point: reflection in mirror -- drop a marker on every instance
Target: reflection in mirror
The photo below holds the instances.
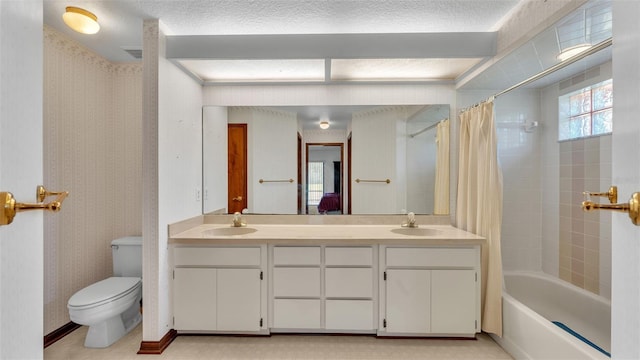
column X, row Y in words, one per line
column 324, row 178
column 395, row 142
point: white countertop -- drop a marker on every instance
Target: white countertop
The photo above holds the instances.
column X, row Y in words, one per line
column 323, row 234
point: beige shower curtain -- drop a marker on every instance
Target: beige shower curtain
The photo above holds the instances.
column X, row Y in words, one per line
column 441, row 201
column 479, row 203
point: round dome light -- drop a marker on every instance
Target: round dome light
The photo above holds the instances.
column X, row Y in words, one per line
column 81, row 20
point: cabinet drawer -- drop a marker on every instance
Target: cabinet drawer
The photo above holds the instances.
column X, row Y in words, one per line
column 296, row 255
column 350, row 256
column 296, row 282
column 432, row 257
column 296, row 313
column 349, row 315
column 349, row 282
column 203, row 256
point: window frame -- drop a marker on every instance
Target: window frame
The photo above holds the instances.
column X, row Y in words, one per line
column 566, row 117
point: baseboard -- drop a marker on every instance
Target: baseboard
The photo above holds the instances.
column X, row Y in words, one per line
column 157, row 347
column 59, row 333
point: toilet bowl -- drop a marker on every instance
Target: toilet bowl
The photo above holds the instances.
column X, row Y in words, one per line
column 111, row 308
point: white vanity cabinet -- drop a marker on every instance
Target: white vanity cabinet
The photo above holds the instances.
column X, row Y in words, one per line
column 295, row 287
column 430, row 291
column 219, row 289
column 324, row 288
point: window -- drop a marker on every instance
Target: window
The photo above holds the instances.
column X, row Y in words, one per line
column 586, row 112
column 315, row 186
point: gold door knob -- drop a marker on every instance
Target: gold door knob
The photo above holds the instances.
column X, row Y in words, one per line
column 237, row 198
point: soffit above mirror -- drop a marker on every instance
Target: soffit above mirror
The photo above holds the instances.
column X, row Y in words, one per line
column 330, row 58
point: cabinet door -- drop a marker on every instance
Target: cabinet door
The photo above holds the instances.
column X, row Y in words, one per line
column 194, row 299
column 453, row 301
column 238, row 300
column 408, row 301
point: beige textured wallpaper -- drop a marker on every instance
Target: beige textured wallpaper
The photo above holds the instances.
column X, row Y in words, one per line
column 93, row 149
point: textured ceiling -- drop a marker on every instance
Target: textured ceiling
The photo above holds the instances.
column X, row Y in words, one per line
column 121, row 20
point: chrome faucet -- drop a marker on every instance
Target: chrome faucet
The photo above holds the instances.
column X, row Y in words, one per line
column 237, row 220
column 411, row 221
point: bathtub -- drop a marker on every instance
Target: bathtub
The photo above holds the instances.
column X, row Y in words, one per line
column 533, row 300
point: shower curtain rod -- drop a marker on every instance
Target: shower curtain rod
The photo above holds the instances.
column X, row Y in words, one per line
column 426, row 129
column 592, row 50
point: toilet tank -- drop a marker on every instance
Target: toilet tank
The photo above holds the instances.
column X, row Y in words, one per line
column 127, row 256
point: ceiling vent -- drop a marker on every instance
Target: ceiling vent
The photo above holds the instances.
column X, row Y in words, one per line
column 136, row 52
column 581, row 77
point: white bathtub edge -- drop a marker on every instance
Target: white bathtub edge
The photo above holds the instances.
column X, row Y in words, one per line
column 528, row 335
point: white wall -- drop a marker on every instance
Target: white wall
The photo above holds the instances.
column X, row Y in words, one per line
column 625, row 296
column 172, row 170
column 21, row 243
column 215, row 159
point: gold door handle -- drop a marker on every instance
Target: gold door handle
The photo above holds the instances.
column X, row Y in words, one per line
column 237, row 198
column 11, row 207
column 632, row 207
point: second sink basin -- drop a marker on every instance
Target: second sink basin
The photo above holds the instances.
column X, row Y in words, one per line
column 227, row 231
column 416, row 231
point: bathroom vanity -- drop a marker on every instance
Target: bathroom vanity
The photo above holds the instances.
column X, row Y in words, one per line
column 304, row 278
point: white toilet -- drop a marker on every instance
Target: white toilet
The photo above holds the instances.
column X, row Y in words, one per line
column 111, row 307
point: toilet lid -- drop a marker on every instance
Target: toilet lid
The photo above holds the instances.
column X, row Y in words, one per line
column 104, row 291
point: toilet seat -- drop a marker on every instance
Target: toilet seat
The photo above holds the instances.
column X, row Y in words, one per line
column 103, row 292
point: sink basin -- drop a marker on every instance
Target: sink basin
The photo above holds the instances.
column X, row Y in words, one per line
column 416, row 231
column 227, row 231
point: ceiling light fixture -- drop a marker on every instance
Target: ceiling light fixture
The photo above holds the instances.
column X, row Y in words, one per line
column 572, row 51
column 574, row 36
column 324, row 125
column 81, row 20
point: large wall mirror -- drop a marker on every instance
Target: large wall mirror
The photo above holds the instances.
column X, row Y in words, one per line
column 382, row 159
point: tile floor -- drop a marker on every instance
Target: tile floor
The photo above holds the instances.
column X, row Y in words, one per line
column 282, row 347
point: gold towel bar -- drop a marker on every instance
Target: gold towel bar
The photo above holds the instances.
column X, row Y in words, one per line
column 266, row 181
column 374, row 181
column 632, row 207
column 612, row 194
column 11, row 207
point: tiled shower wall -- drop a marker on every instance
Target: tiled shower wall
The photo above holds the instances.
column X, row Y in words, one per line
column 585, row 165
column 576, row 246
column 92, row 148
